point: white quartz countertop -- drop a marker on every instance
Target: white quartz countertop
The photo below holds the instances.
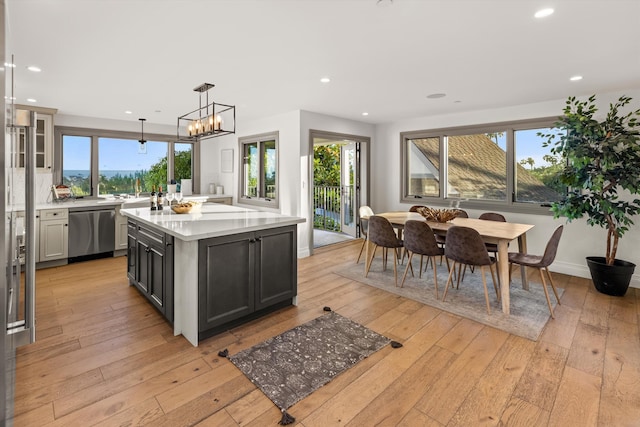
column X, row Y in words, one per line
column 111, row 202
column 213, row 220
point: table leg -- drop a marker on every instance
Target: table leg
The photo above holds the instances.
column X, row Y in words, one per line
column 522, row 246
column 503, row 272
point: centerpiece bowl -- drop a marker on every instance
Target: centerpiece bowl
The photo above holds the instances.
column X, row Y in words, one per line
column 186, row 207
column 438, row 215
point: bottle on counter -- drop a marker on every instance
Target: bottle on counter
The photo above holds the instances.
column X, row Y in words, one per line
column 154, row 199
column 137, row 189
column 160, row 202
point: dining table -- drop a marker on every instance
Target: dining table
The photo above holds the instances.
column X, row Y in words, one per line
column 499, row 233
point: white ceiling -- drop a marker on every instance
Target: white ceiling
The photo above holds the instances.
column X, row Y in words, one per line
column 102, row 57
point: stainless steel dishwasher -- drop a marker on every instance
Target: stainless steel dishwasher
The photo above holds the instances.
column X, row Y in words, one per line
column 92, row 231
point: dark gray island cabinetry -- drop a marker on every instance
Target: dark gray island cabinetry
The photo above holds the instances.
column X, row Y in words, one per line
column 215, row 268
column 245, row 274
column 150, row 265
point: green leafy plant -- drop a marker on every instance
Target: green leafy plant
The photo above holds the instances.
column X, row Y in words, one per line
column 600, row 158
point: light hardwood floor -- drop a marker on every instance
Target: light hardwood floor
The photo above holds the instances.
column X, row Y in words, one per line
column 105, row 357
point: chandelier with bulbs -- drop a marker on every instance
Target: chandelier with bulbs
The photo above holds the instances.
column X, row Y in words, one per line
column 209, row 120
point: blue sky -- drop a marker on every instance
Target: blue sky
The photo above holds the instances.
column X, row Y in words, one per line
column 125, row 156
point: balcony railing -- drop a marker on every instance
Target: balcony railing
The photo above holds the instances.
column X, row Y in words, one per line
column 328, row 207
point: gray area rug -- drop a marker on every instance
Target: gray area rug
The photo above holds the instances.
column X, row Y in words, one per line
column 529, row 311
column 292, row 365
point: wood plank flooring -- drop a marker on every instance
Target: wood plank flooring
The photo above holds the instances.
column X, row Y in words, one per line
column 105, row 357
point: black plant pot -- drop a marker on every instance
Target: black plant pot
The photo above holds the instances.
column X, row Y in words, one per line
column 610, row 279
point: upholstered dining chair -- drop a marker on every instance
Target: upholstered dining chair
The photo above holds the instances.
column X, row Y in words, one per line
column 492, row 216
column 415, row 208
column 419, row 239
column 465, row 246
column 440, row 237
column 381, row 233
column 541, row 262
column 364, row 211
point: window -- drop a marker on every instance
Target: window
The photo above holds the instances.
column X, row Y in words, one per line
column 423, row 161
column 536, row 169
column 259, row 177
column 76, row 172
column 94, row 162
column 500, row 166
column 477, row 166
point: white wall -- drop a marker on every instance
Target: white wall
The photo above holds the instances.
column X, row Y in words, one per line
column 578, row 241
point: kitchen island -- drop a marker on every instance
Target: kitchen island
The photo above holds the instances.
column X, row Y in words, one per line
column 213, row 268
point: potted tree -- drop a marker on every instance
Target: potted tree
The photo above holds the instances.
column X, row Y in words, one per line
column 601, row 158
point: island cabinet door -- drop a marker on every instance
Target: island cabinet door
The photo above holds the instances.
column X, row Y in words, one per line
column 143, row 249
column 277, row 266
column 225, row 279
column 131, row 252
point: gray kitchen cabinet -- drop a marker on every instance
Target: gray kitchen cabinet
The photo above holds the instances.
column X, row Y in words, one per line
column 150, row 266
column 54, row 234
column 244, row 274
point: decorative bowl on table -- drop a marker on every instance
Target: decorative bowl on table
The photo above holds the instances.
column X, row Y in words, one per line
column 438, row 215
column 186, row 207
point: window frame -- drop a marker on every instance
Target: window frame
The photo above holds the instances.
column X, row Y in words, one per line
column 509, row 205
column 258, row 139
column 96, row 134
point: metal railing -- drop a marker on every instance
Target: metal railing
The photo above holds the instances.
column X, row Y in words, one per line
column 328, row 207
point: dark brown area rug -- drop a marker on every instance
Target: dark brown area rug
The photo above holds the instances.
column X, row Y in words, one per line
column 292, row 365
column 529, row 311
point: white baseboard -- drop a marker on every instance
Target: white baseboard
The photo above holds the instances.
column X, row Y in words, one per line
column 581, row 270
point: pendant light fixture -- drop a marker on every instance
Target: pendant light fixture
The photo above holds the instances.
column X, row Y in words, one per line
column 142, row 146
column 208, row 121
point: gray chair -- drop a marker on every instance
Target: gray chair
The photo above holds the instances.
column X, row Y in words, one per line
column 364, row 211
column 492, row 216
column 381, row 233
column 541, row 262
column 419, row 239
column 415, row 208
column 465, row 246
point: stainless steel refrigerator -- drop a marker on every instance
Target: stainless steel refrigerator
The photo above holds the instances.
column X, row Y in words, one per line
column 17, row 285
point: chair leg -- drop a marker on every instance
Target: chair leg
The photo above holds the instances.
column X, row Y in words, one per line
column 385, row 256
column 486, row 293
column 546, row 293
column 553, row 285
column 459, row 275
column 446, row 287
column 406, row 269
column 435, row 274
column 421, row 258
column 493, row 277
column 368, row 263
column 364, row 242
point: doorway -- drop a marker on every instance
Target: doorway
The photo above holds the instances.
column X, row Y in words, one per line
column 337, row 187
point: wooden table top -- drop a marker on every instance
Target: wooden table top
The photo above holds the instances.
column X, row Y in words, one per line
column 491, row 229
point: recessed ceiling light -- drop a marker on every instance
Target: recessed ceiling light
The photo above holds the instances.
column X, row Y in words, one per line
column 34, row 68
column 128, row 112
column 436, row 95
column 31, row 100
column 325, row 80
column 575, row 78
column 542, row 13
column 384, row 3
column 457, row 102
column 365, row 114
